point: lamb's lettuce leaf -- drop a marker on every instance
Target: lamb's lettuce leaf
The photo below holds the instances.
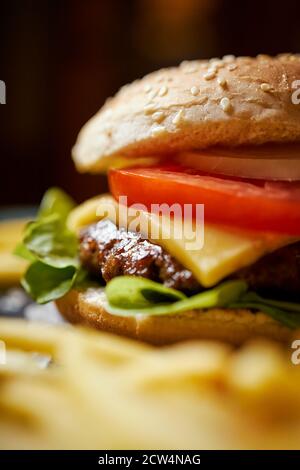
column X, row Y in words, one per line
column 129, row 295
column 56, row 201
column 287, row 313
column 45, row 283
column 52, row 250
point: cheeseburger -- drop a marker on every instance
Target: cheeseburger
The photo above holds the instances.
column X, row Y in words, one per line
column 220, row 135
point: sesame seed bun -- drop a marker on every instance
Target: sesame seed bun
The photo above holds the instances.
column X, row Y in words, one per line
column 88, row 308
column 230, row 101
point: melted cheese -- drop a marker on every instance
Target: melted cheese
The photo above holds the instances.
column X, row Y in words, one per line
column 224, row 251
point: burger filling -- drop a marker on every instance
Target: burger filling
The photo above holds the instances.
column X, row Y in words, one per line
column 70, row 247
column 107, row 252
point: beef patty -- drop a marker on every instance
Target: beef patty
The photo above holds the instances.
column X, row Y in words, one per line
column 107, row 252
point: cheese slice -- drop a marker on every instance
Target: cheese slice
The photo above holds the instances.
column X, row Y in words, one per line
column 221, row 252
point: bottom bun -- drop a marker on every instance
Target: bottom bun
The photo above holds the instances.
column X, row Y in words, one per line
column 87, row 307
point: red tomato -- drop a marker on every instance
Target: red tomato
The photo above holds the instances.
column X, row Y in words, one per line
column 249, row 204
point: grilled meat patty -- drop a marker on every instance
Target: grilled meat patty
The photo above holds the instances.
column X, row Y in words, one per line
column 276, row 274
column 107, row 252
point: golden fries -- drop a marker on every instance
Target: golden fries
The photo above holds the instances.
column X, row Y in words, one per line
column 101, row 391
column 11, row 267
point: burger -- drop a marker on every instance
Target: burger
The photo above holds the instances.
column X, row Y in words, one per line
column 221, row 136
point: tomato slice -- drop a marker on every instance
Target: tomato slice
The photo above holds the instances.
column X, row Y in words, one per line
column 250, row 204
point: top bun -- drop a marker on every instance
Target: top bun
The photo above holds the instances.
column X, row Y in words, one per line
column 230, row 101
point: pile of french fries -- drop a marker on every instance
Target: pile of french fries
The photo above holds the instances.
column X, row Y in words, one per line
column 100, row 391
column 11, row 266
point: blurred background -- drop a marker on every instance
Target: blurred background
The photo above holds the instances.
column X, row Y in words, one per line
column 60, row 60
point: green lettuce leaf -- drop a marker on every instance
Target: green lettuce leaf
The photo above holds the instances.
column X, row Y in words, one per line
column 287, row 313
column 51, row 241
column 129, row 295
column 56, row 201
column 283, row 305
column 52, row 250
column 45, row 283
column 131, row 292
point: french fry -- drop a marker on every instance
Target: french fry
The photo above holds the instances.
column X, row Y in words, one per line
column 102, row 391
column 11, row 267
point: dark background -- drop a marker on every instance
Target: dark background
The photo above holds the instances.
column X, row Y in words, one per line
column 61, row 60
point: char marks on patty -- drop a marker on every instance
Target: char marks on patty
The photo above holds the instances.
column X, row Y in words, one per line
column 108, row 251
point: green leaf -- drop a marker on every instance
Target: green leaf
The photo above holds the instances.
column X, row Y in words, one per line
column 283, row 305
column 51, row 241
column 136, row 292
column 56, row 201
column 23, row 252
column 52, row 250
column 129, row 295
column 289, row 319
column 45, row 283
column 287, row 313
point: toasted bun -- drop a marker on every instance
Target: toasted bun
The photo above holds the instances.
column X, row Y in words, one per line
column 229, row 102
column 233, row 326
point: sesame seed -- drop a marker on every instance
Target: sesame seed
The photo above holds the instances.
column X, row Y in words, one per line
column 163, row 91
column 188, row 67
column 222, row 82
column 184, row 63
column 217, row 63
column 229, row 58
column 210, row 74
column 195, row 90
column 266, row 87
column 147, row 88
column 178, row 118
column 158, row 130
column 152, row 94
column 226, row 104
column 213, row 69
column 190, row 70
column 232, row 67
column 149, row 109
column 158, row 116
